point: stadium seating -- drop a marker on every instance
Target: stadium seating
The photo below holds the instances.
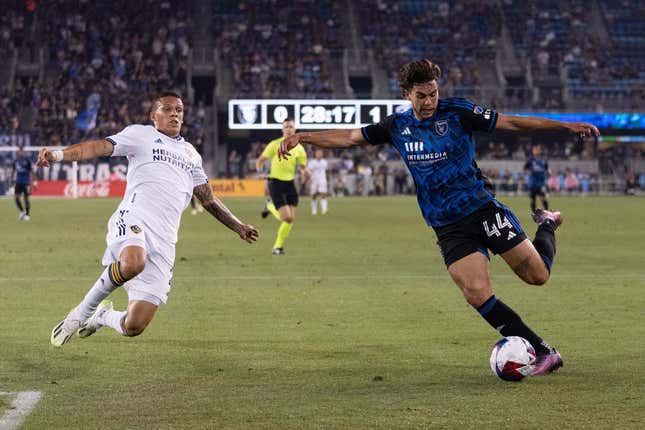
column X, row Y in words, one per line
column 457, row 36
column 278, row 52
column 102, row 61
column 113, row 63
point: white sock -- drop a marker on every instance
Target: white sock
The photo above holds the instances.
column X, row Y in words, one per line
column 112, row 319
column 323, row 205
column 99, row 291
column 314, row 207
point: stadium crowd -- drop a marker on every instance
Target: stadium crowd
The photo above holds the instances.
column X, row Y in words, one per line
column 460, row 37
column 278, row 51
column 98, row 70
column 104, row 60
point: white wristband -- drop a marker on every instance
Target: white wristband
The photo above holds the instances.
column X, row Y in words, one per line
column 58, row 155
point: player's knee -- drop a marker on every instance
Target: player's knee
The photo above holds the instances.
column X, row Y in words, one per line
column 288, row 218
column 538, row 277
column 131, row 267
column 476, row 292
column 132, row 328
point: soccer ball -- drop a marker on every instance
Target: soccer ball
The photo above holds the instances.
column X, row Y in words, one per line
column 512, row 358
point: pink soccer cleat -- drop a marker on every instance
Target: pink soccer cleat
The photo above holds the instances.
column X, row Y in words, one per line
column 547, row 363
column 541, row 216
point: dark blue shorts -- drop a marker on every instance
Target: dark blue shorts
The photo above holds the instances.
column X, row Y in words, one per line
column 22, row 189
column 537, row 191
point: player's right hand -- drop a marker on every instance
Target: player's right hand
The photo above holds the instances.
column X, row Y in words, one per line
column 286, row 145
column 248, row 233
column 45, row 157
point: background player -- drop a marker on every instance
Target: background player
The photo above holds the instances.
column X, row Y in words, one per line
column 164, row 171
column 318, row 182
column 23, row 172
column 537, row 168
column 282, row 188
column 434, row 138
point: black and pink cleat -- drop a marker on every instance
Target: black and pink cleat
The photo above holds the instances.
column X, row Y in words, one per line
column 547, row 363
column 542, row 216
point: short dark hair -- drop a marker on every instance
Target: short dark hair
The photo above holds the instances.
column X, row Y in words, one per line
column 163, row 94
column 417, row 72
column 287, row 119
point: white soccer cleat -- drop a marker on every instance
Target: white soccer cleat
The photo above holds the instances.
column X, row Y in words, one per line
column 89, row 327
column 64, row 330
column 26, row 218
column 21, row 216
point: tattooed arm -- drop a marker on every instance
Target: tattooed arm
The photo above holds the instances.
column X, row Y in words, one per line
column 215, row 207
column 81, row 151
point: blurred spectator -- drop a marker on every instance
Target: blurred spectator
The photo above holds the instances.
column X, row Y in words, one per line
column 234, row 164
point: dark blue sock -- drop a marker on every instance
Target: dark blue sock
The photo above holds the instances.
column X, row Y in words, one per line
column 508, row 323
column 544, row 243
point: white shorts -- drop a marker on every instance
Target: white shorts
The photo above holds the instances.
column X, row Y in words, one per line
column 153, row 284
column 318, row 186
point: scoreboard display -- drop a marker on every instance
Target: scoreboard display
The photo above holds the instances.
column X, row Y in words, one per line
column 247, row 114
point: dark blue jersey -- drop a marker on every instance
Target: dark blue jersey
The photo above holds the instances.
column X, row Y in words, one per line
column 22, row 167
column 440, row 154
column 538, row 169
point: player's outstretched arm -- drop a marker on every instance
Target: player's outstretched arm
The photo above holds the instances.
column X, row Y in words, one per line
column 215, row 207
column 528, row 123
column 324, row 139
column 86, row 150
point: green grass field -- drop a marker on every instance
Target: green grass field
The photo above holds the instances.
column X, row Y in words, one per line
column 357, row 327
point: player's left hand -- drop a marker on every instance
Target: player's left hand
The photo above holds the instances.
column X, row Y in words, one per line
column 34, row 185
column 248, row 233
column 583, row 129
column 286, row 145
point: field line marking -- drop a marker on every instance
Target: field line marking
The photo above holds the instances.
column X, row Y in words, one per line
column 24, row 403
column 336, row 277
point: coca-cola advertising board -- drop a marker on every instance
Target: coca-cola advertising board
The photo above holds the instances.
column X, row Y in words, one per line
column 83, row 189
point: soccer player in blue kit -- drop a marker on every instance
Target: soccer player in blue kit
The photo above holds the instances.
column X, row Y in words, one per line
column 435, row 139
column 538, row 170
column 23, row 171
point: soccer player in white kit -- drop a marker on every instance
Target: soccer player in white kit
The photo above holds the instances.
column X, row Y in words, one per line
column 164, row 171
column 318, row 187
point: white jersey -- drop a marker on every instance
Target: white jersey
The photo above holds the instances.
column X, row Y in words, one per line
column 162, row 172
column 318, row 169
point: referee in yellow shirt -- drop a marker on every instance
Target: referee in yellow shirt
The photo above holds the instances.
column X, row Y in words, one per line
column 282, row 188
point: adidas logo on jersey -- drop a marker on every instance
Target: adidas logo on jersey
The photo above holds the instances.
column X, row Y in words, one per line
column 406, row 131
column 159, row 141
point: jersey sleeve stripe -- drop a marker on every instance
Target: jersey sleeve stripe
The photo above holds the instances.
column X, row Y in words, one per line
column 364, row 133
column 111, row 141
column 493, row 123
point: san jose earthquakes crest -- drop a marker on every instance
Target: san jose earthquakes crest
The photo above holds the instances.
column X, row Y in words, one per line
column 441, row 127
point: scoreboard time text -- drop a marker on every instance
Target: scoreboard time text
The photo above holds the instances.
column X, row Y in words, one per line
column 322, row 114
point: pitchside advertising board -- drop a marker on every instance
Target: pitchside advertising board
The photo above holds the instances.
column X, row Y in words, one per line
column 268, row 114
column 104, row 179
column 116, row 188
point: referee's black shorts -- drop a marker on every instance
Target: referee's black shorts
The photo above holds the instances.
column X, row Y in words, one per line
column 493, row 226
column 283, row 193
